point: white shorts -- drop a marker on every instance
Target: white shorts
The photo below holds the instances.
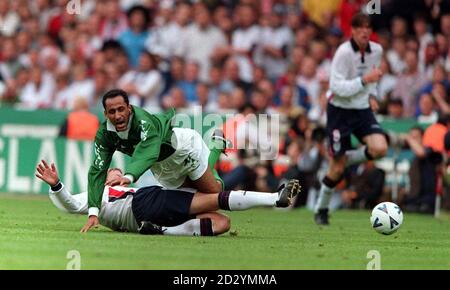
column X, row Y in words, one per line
column 190, row 159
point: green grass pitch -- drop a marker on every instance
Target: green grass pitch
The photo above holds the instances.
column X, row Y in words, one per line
column 35, row 235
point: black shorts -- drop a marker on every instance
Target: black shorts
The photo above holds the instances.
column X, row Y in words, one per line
column 342, row 123
column 162, row 207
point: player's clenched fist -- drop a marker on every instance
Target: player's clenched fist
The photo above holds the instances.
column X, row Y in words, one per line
column 373, row 76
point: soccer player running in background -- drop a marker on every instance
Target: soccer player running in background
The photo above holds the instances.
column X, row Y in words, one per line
column 154, row 210
column 352, row 100
column 178, row 157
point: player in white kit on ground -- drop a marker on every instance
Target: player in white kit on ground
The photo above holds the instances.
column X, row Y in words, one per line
column 154, row 210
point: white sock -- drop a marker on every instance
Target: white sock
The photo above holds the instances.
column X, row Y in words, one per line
column 324, row 198
column 189, row 228
column 357, row 156
column 242, row 200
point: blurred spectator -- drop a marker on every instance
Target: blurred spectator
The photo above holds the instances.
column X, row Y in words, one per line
column 177, row 100
column 423, row 174
column 52, row 60
column 268, row 89
column 10, row 63
column 100, row 88
column 423, row 36
column 245, row 40
column 190, row 81
column 232, row 77
column 274, row 44
column 203, row 98
column 259, row 74
column 438, row 76
column 134, row 38
column 144, row 84
column 318, row 50
column 80, row 124
column 441, row 97
column 238, row 98
column 387, row 82
column 445, row 24
column 396, row 55
column 81, row 86
column 223, row 19
column 62, row 93
column 433, row 137
column 308, row 79
column 214, row 83
column 114, row 20
column 399, row 27
column 203, row 32
column 301, row 97
column 9, row 20
column 259, row 100
column 428, row 114
column 165, row 40
column 409, row 84
column 38, row 92
column 224, row 105
column 395, row 108
column 287, row 106
column 175, row 74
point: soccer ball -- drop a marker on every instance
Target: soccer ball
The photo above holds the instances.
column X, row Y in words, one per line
column 387, row 217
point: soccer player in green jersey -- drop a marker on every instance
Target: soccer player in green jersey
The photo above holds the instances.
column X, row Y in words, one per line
column 178, row 157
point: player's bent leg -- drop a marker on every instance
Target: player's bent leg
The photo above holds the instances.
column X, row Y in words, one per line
column 204, row 202
column 220, row 222
column 331, row 180
column 377, row 146
column 208, row 224
column 207, row 183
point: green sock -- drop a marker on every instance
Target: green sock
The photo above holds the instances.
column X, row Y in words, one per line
column 214, row 156
column 216, row 175
column 216, row 148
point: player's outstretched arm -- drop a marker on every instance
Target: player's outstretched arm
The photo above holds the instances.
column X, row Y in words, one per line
column 59, row 195
column 96, row 179
column 47, row 173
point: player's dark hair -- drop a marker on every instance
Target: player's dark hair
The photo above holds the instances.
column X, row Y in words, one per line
column 361, row 20
column 115, row 93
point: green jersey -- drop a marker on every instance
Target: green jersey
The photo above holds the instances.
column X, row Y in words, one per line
column 147, row 140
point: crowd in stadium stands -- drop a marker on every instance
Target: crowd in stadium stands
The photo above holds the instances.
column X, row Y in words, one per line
column 246, row 56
